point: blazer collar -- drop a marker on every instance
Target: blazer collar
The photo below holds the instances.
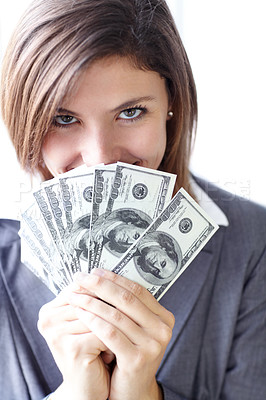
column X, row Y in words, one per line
column 208, row 204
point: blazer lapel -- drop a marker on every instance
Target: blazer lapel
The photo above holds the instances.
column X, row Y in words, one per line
column 183, row 294
column 28, row 294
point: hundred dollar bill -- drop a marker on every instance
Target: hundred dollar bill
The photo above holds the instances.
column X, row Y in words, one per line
column 52, row 191
column 103, row 180
column 47, row 214
column 31, row 219
column 146, row 189
column 61, row 206
column 168, row 246
column 76, row 194
column 34, row 257
column 138, row 195
column 59, row 195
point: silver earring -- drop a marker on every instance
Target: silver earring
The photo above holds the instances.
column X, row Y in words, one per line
column 170, row 114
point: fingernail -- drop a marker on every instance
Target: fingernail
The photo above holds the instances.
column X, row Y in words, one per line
column 98, row 271
column 79, row 277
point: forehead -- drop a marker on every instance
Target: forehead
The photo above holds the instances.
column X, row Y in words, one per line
column 115, row 76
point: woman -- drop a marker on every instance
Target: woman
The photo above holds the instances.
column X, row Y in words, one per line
column 94, row 81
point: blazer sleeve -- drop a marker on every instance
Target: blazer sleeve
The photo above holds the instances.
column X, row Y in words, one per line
column 245, row 377
column 245, row 373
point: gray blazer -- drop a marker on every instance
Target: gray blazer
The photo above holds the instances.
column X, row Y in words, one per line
column 218, row 347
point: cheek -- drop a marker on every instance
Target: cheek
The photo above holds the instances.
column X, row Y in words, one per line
column 55, row 151
column 150, row 144
column 162, row 140
column 48, row 147
column 156, row 146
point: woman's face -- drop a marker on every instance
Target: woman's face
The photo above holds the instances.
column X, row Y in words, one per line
column 115, row 113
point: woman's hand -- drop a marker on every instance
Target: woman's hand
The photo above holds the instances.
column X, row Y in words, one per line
column 80, row 355
column 132, row 325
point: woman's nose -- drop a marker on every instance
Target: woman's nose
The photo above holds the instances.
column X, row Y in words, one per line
column 99, row 148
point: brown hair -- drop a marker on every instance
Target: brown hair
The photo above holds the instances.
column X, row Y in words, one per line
column 56, row 40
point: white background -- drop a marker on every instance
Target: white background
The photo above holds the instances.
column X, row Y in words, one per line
column 225, row 41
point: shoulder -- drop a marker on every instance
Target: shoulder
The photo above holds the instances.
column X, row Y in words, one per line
column 8, row 232
column 239, row 210
column 242, row 253
column 245, row 235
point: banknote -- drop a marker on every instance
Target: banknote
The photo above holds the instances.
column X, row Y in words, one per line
column 137, row 196
column 168, row 246
column 52, row 221
column 52, row 191
column 103, row 181
column 76, row 195
column 61, row 193
column 34, row 257
column 143, row 188
column 56, row 234
column 119, row 217
column 32, row 220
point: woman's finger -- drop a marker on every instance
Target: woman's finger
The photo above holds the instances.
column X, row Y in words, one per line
column 125, row 295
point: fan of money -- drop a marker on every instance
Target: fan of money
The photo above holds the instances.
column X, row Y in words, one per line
column 119, row 217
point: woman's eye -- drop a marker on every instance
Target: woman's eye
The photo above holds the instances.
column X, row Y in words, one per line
column 136, row 236
column 131, row 113
column 64, row 120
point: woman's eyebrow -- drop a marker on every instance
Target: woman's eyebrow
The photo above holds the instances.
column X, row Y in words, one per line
column 67, row 112
column 133, row 102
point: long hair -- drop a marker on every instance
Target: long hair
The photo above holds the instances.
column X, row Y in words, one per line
column 56, row 40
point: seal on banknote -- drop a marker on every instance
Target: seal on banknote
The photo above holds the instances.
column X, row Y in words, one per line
column 87, row 194
column 185, row 225
column 140, row 191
